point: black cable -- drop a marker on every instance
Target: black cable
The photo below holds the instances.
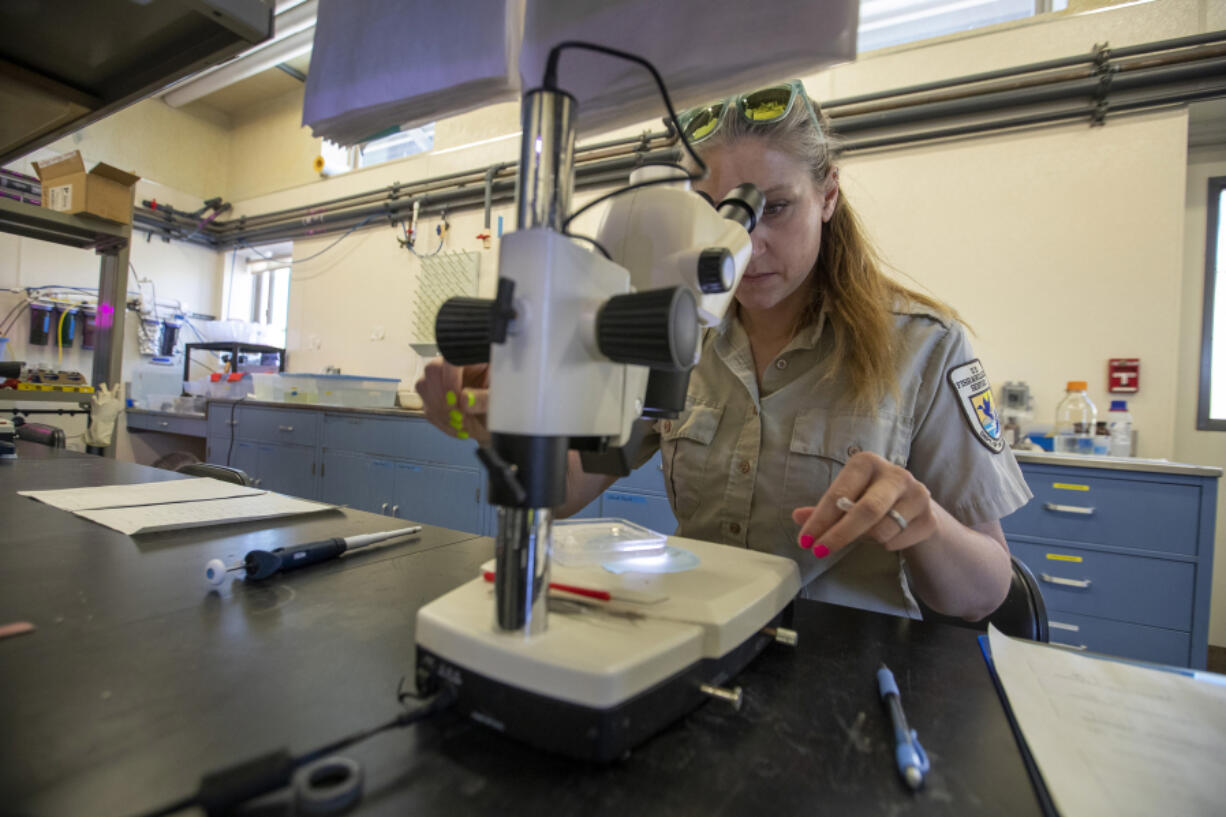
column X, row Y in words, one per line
column 220, row 792
column 591, row 241
column 233, row 406
column 550, row 82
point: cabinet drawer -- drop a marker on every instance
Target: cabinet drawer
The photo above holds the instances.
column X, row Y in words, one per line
column 1139, row 589
column 262, row 424
column 1106, row 511
column 1119, row 638
column 167, row 424
column 408, row 438
column 277, row 426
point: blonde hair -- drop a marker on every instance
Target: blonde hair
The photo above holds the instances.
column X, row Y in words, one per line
column 847, row 279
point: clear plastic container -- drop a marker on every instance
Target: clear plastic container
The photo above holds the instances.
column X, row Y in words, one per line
column 1119, row 428
column 1075, row 421
column 349, row 390
column 230, row 386
column 266, row 386
column 607, row 539
column 156, row 384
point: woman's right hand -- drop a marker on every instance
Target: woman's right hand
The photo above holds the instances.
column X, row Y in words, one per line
column 456, row 398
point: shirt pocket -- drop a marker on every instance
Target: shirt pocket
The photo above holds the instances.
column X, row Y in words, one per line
column 685, row 445
column 821, row 445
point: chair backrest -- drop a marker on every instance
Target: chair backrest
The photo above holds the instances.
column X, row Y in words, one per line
column 222, row 472
column 1023, row 613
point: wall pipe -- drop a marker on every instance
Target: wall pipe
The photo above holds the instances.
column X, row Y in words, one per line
column 1108, row 81
column 1046, row 65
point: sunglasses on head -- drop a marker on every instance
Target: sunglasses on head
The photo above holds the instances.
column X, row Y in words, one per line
column 758, row 107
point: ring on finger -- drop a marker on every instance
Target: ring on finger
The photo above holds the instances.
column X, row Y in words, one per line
column 898, row 518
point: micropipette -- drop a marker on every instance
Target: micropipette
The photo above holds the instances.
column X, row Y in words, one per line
column 261, row 564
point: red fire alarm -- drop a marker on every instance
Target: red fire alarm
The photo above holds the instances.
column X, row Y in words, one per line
column 1123, row 375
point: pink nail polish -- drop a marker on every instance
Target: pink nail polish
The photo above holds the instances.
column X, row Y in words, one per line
column 821, row 551
column 806, row 541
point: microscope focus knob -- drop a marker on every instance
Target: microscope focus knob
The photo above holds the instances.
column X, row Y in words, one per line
column 462, row 330
column 716, row 270
column 656, row 328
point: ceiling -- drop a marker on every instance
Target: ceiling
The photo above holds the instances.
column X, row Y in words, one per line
column 234, row 99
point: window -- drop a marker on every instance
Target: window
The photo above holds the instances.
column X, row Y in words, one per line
column 397, row 145
column 1211, row 407
column 389, row 146
column 259, row 295
column 893, row 22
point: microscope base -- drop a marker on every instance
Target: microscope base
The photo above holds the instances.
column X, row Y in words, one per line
column 595, row 683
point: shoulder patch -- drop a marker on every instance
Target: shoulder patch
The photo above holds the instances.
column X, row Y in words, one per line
column 970, row 382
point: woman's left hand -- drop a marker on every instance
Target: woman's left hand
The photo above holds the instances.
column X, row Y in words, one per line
column 870, row 497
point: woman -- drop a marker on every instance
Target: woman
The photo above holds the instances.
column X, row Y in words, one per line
column 835, row 417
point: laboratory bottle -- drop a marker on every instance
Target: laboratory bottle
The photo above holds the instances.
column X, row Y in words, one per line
column 1119, row 427
column 1075, row 421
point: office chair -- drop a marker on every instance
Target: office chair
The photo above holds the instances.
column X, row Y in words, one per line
column 222, row 472
column 1022, row 614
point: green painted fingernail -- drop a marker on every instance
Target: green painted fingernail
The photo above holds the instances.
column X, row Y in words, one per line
column 472, row 399
column 451, row 398
column 463, row 435
column 456, row 416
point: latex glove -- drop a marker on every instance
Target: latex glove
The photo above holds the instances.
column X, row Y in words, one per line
column 104, row 408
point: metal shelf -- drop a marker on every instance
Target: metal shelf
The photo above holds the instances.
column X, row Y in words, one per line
column 83, row 231
column 15, row 396
column 62, row 68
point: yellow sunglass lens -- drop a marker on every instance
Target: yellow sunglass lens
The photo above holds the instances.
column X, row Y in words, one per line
column 766, row 110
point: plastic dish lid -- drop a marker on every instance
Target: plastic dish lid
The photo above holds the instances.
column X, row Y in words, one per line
column 594, row 541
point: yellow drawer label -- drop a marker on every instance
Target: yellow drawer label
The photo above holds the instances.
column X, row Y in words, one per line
column 1068, row 486
column 1060, row 557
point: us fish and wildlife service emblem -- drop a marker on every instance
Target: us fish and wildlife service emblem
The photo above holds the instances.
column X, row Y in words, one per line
column 970, row 381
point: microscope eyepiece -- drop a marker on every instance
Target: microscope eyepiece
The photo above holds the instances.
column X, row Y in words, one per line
column 743, row 204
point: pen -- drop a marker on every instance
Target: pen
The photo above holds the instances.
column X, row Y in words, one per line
column 908, row 754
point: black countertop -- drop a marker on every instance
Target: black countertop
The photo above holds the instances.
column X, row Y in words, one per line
column 139, row 679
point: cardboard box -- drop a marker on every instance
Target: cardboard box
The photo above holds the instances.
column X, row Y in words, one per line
column 105, row 191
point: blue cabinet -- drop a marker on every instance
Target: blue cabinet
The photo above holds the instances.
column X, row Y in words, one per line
column 396, row 465
column 275, row 447
column 1123, row 556
column 639, row 498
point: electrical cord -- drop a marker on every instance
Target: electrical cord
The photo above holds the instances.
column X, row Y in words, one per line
column 591, row 241
column 313, row 256
column 550, row 82
column 221, row 791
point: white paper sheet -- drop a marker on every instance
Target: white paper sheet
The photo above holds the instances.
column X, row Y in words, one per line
column 143, row 493
column 1116, row 739
column 151, row 518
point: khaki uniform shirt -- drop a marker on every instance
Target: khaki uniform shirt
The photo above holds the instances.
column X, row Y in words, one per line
column 738, row 460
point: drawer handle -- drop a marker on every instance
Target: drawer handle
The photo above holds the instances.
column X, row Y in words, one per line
column 1073, row 647
column 1077, row 509
column 1060, row 625
column 395, row 510
column 285, row 428
column 163, row 423
column 1081, row 583
column 383, row 508
column 231, row 422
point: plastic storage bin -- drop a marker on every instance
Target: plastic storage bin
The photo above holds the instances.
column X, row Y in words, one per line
column 339, row 390
column 156, row 384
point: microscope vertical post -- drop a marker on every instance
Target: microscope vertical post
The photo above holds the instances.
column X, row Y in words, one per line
column 538, row 462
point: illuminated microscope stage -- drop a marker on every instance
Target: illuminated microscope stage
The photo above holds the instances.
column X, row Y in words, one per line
column 595, row 684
